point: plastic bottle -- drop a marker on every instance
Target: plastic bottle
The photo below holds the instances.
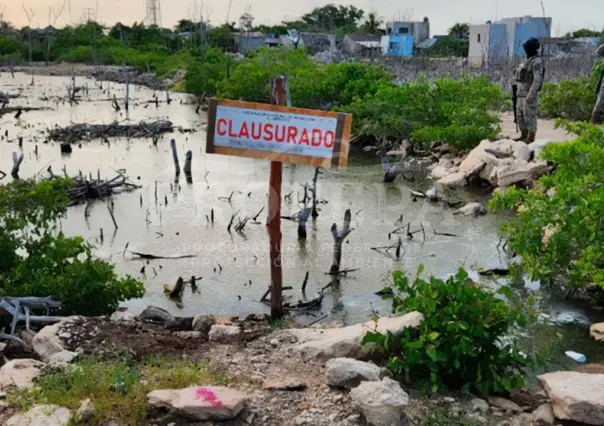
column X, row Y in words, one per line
column 580, row 358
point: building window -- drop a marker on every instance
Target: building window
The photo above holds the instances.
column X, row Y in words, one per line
column 403, row 30
column 478, row 38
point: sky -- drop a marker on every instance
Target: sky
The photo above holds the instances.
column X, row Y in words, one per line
column 567, row 15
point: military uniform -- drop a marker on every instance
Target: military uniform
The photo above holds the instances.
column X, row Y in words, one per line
column 528, row 77
column 598, row 114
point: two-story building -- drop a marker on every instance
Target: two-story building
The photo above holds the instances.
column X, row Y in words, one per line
column 496, row 42
column 402, row 37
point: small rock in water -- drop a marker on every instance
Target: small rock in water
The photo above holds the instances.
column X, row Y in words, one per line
column 564, row 318
column 432, row 195
column 472, row 209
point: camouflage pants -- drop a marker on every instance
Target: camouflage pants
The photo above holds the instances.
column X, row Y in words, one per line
column 526, row 115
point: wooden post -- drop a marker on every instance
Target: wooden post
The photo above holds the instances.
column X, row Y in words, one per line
column 274, row 213
column 175, row 156
column 17, row 159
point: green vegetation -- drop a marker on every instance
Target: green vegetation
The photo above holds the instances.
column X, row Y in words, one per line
column 38, row 260
column 558, row 231
column 571, row 99
column 445, row 110
column 584, row 32
column 463, row 341
column 329, row 18
column 461, row 113
column 118, row 387
column 444, row 416
column 460, row 30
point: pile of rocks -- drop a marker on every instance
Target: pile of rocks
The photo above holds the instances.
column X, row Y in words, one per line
column 502, row 164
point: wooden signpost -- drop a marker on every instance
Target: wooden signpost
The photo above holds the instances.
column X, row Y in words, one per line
column 281, row 135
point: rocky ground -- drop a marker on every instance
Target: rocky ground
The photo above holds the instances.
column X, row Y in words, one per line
column 293, row 376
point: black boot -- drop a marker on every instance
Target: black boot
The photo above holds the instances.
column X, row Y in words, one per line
column 522, row 137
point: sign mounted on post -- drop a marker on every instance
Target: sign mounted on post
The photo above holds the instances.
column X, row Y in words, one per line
column 278, row 133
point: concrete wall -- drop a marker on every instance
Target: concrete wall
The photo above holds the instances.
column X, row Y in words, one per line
column 498, row 46
column 419, row 30
column 479, row 44
column 400, row 45
column 535, row 27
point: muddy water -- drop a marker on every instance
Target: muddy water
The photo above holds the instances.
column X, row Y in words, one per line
column 234, row 267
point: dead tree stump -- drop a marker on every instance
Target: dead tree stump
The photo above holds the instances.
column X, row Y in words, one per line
column 302, row 219
column 338, row 239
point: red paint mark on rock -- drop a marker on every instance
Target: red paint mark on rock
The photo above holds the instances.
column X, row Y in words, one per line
column 208, row 396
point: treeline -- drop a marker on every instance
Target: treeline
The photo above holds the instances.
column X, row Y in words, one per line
column 458, row 112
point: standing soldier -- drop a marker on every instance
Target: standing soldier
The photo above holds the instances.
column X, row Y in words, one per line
column 528, row 79
column 598, row 114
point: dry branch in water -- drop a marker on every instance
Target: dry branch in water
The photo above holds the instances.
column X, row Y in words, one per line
column 83, row 189
column 78, row 132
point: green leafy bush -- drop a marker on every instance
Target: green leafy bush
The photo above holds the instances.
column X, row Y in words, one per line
column 204, row 74
column 559, row 233
column 311, row 85
column 446, row 110
column 36, row 260
column 250, row 79
column 463, row 341
column 571, row 99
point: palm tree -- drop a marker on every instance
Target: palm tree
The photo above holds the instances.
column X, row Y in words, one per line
column 459, row 30
column 372, row 24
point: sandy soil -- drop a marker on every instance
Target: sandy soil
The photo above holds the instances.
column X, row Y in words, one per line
column 545, row 128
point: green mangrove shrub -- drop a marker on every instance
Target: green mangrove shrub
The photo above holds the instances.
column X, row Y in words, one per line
column 463, row 341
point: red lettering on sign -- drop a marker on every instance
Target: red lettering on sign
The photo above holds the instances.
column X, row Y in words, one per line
column 292, row 133
column 316, row 137
column 329, row 139
column 244, row 131
column 231, row 134
column 304, row 138
column 221, row 132
column 256, row 135
column 277, row 137
column 268, row 132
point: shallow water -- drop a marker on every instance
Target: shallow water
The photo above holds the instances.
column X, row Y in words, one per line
column 181, row 227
